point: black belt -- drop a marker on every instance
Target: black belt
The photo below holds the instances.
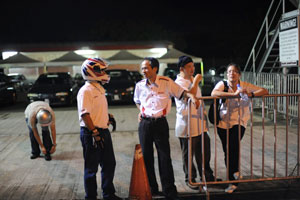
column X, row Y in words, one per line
column 101, row 129
column 153, row 118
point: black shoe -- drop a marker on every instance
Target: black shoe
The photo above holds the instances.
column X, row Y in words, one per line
column 112, row 197
column 173, row 198
column 48, row 157
column 34, row 156
column 157, row 193
column 212, row 178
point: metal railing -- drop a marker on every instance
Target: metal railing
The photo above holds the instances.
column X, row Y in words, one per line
column 264, row 43
column 277, row 148
column 277, row 84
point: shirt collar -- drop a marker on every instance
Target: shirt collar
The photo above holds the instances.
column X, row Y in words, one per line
column 97, row 86
column 181, row 79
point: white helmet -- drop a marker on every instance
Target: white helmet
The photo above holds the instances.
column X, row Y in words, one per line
column 92, row 70
column 44, row 117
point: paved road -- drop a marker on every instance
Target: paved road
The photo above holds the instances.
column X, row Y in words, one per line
column 62, row 178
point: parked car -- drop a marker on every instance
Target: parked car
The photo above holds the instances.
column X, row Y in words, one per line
column 21, row 82
column 171, row 71
column 8, row 92
column 121, row 85
column 79, row 80
column 57, row 88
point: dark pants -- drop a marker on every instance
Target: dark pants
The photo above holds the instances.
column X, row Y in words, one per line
column 93, row 157
column 157, row 132
column 47, row 141
column 233, row 148
column 197, row 152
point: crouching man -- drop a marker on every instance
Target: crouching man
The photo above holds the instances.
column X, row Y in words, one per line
column 39, row 112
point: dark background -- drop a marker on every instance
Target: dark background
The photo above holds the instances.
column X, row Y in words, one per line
column 217, row 31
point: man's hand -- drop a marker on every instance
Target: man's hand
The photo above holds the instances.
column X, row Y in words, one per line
column 53, row 149
column 43, row 149
column 195, row 101
column 98, row 140
column 197, row 78
column 112, row 121
column 139, row 117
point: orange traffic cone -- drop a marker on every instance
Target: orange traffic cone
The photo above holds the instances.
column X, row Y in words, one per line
column 139, row 184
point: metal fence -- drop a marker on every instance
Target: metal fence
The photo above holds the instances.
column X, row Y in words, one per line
column 277, row 84
column 270, row 149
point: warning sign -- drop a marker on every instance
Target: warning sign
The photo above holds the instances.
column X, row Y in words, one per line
column 289, row 42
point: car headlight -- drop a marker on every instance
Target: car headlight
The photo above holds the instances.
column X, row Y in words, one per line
column 130, row 89
column 32, row 95
column 61, row 94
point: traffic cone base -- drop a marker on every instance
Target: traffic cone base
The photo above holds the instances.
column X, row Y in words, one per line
column 139, row 183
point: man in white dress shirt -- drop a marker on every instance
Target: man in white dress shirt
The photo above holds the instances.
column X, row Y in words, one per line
column 153, row 98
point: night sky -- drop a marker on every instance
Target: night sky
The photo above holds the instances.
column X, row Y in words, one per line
column 217, row 31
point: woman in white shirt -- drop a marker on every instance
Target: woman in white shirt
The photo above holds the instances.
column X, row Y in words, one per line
column 229, row 114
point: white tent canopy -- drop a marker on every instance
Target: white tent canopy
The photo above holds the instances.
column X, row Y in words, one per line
column 20, row 60
column 173, row 54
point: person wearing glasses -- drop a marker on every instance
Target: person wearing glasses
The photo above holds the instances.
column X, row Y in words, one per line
column 229, row 113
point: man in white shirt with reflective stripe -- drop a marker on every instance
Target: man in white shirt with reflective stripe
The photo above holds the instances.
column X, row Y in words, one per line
column 153, row 98
column 94, row 133
column 198, row 125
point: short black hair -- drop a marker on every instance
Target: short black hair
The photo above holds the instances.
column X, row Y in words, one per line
column 153, row 62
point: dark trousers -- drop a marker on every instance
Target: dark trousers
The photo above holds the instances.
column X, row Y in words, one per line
column 93, row 157
column 233, row 148
column 47, row 141
column 157, row 132
column 197, row 153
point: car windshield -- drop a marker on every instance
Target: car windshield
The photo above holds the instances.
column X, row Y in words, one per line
column 118, row 75
column 52, row 79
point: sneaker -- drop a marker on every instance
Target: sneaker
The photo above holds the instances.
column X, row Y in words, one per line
column 48, row 157
column 34, row 156
column 237, row 176
column 193, row 187
column 230, row 188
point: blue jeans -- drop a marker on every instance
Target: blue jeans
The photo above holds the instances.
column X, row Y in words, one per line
column 93, row 157
column 47, row 141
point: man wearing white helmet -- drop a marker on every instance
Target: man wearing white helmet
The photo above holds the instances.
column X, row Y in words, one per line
column 40, row 112
column 94, row 133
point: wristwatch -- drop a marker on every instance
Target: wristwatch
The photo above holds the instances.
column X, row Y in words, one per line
column 252, row 94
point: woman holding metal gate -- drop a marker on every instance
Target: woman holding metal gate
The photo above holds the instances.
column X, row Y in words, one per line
column 229, row 113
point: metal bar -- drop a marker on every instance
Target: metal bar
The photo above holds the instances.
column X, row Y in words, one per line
column 251, row 138
column 298, row 152
column 239, row 119
column 267, row 33
column 215, row 140
column 286, row 136
column 275, row 134
column 263, row 137
column 190, row 143
column 250, row 180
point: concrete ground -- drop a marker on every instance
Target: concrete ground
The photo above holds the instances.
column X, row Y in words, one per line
column 62, row 178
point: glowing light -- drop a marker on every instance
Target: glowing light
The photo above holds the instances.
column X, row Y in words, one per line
column 85, row 52
column 159, row 50
column 7, row 54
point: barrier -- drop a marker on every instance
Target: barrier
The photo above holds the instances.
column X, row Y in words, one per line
column 269, row 151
